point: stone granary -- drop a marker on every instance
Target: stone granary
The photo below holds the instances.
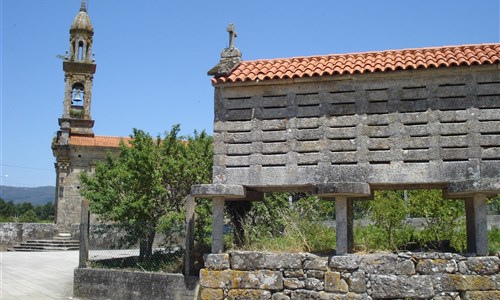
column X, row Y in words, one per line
column 342, row 126
column 75, row 146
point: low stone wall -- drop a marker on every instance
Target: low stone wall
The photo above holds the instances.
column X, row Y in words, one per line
column 12, row 234
column 119, row 284
column 440, row 276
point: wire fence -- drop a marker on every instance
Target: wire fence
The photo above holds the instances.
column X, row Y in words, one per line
column 126, row 247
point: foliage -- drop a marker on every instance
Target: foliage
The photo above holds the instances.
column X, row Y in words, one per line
column 389, row 211
column 371, row 238
column 143, row 188
column 494, row 205
column 26, row 212
column 494, row 240
column 277, row 225
column 442, row 217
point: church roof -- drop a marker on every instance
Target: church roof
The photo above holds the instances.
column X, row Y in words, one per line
column 97, row 141
column 367, row 62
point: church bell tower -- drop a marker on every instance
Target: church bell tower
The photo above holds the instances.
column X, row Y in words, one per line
column 79, row 68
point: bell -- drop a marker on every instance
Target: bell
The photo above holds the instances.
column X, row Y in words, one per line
column 77, row 97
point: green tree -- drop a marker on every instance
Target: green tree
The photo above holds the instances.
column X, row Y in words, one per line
column 7, row 211
column 22, row 208
column 149, row 179
column 45, row 212
column 388, row 211
column 28, row 216
column 442, row 217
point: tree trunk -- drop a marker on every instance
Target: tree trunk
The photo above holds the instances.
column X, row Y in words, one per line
column 238, row 210
column 146, row 245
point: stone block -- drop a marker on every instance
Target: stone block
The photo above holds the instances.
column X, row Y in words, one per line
column 392, row 286
column 345, row 262
column 297, row 273
column 436, row 266
column 357, row 282
column 249, row 260
column 387, row 264
column 212, row 294
column 280, row 296
column 455, row 282
column 217, row 261
column 263, row 279
column 314, row 262
column 315, row 274
column 314, row 284
column 244, row 294
column 335, row 283
column 293, row 283
column 483, row 265
column 482, row 295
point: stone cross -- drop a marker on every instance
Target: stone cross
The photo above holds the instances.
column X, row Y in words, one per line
column 232, row 35
column 83, row 7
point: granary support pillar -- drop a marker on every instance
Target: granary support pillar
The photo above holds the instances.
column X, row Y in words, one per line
column 344, row 194
column 218, row 193
column 344, row 225
column 217, row 225
column 476, row 222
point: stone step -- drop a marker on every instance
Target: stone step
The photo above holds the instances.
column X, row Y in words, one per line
column 59, row 242
column 63, row 236
column 42, row 245
column 47, row 245
column 27, row 249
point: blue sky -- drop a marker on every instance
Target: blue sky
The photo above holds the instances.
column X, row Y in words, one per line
column 152, row 57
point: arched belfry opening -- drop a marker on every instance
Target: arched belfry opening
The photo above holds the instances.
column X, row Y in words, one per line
column 78, row 95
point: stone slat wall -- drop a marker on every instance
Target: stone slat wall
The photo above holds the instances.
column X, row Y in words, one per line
column 432, row 127
column 258, row 275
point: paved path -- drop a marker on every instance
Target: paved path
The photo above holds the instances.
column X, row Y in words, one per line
column 37, row 275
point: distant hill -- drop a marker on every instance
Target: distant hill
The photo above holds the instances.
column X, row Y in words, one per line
column 36, row 195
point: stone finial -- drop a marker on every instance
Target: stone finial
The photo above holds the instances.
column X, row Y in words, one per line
column 230, row 57
column 83, row 7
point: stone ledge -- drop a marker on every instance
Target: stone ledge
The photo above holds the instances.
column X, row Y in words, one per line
column 347, row 189
column 218, row 190
column 461, row 189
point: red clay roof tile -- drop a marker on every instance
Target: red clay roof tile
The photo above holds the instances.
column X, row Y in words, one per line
column 97, row 141
column 384, row 61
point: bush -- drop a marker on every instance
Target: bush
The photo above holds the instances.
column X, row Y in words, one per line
column 275, row 225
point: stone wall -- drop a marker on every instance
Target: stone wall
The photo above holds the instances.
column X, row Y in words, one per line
column 257, row 275
column 120, row 284
column 14, row 233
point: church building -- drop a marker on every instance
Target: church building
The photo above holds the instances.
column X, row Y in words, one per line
column 76, row 146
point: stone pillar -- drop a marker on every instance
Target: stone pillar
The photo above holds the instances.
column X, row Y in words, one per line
column 477, row 226
column 217, row 224
column 344, row 224
column 188, row 252
column 84, row 235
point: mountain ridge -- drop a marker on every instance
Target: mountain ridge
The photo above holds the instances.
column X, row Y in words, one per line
column 34, row 195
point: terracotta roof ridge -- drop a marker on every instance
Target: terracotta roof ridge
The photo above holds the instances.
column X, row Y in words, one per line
column 112, row 136
column 368, row 52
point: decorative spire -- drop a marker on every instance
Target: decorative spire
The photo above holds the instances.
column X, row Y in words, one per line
column 83, row 7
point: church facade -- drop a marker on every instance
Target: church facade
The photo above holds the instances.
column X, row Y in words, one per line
column 76, row 146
